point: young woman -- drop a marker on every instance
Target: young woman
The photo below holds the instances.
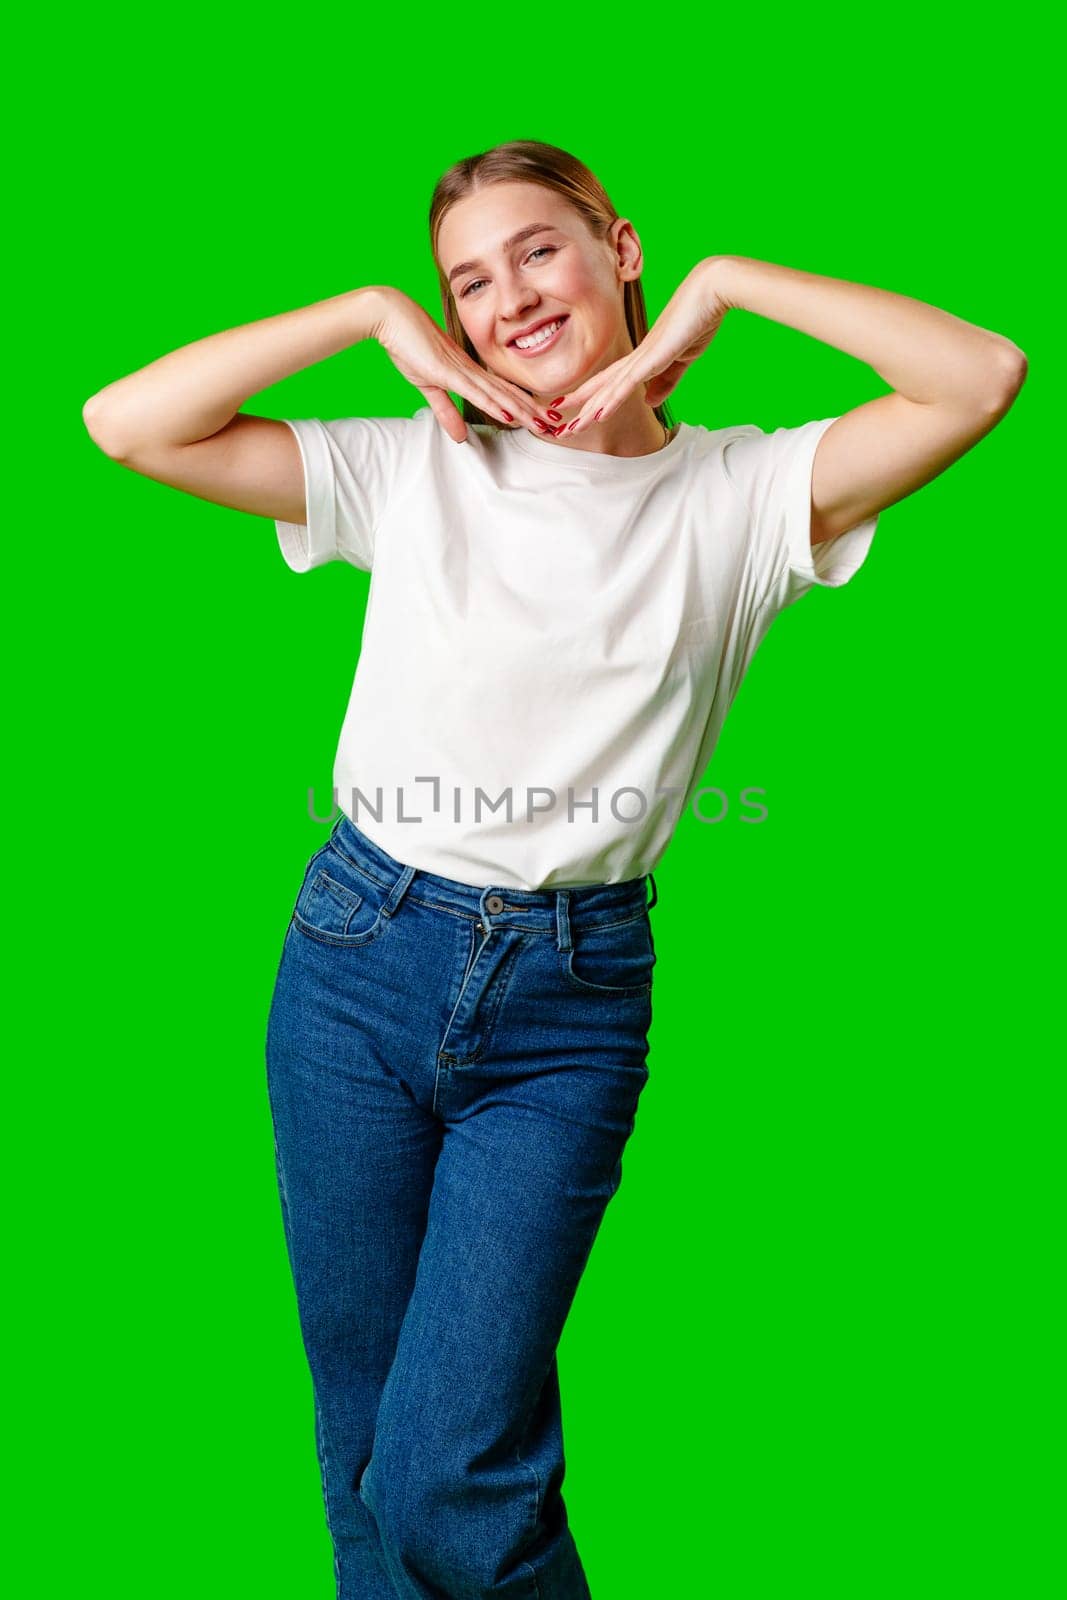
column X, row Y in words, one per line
column 567, row 590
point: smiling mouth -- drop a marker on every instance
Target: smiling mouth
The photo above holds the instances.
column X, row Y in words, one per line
column 541, row 342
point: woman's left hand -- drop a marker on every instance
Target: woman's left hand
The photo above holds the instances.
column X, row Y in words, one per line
column 682, row 332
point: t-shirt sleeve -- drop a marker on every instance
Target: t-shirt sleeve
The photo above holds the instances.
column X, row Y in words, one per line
column 772, row 474
column 350, row 468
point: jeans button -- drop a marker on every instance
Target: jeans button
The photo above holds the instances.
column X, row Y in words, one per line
column 494, row 904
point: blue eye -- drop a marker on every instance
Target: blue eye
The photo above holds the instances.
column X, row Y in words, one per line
column 549, row 247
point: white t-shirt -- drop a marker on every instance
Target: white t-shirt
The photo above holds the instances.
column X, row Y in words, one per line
column 548, row 627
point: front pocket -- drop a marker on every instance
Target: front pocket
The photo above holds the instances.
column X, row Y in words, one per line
column 614, row 960
column 333, row 913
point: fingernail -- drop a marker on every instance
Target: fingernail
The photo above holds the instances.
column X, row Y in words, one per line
column 559, row 430
column 558, row 401
column 542, row 425
column 506, row 415
column 574, row 424
column 557, row 416
column 596, row 416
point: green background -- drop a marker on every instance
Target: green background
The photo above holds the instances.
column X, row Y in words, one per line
column 815, row 1352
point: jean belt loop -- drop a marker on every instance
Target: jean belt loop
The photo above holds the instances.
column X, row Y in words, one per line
column 398, row 891
column 563, row 920
column 655, row 892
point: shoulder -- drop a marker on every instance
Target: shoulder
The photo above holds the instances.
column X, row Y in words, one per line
column 711, row 451
column 757, row 460
column 361, row 437
column 711, row 441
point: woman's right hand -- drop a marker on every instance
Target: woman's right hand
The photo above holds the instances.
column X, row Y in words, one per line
column 427, row 357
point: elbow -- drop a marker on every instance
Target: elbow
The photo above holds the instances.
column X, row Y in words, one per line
column 1010, row 377
column 1018, row 367
column 97, row 428
column 90, row 410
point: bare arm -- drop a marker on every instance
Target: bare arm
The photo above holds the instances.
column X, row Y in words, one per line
column 178, row 420
column 195, row 391
column 952, row 383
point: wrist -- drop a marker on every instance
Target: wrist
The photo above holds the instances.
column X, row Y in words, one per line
column 722, row 275
column 367, row 309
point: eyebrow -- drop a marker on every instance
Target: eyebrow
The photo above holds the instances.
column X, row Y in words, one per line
column 509, row 244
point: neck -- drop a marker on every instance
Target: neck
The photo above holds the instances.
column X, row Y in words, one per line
column 633, row 430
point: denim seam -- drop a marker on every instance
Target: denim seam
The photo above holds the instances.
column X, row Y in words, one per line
column 432, row 905
column 450, row 911
column 351, row 895
column 623, row 922
column 341, row 941
column 435, row 905
column 520, row 1459
column 503, row 986
column 613, row 991
column 471, row 953
column 332, row 844
column 320, row 1437
column 626, row 991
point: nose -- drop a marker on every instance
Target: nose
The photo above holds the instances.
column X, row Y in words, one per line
column 516, row 303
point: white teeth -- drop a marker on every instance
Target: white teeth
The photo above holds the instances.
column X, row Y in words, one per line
column 540, row 336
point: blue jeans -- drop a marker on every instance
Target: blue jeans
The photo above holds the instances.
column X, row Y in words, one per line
column 453, row 1073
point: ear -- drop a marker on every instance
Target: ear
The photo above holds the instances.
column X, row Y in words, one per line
column 626, row 247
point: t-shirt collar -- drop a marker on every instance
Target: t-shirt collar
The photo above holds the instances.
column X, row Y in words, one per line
column 596, row 462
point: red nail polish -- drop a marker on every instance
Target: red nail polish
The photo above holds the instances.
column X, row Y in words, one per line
column 574, row 424
column 542, row 425
column 561, row 429
column 596, row 418
column 557, row 416
column 506, row 415
column 559, row 400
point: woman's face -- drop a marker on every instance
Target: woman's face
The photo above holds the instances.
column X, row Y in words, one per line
column 502, row 288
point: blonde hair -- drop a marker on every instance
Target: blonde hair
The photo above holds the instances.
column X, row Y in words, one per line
column 530, row 161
